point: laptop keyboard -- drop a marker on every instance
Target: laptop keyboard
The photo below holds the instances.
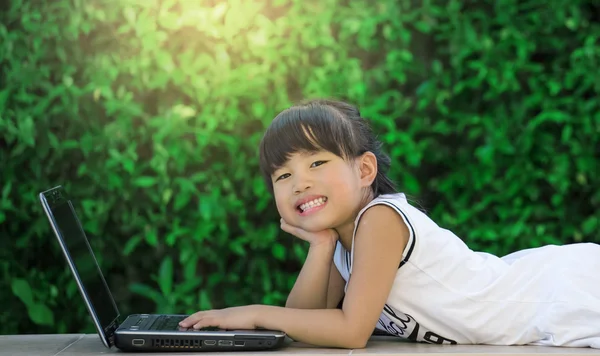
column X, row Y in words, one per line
column 166, row 322
column 169, row 322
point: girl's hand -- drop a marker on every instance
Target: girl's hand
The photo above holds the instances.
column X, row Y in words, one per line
column 314, row 238
column 229, row 318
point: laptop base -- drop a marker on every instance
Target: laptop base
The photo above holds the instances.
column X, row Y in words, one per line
column 139, row 332
column 193, row 343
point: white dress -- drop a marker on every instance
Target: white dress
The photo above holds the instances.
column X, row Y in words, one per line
column 446, row 293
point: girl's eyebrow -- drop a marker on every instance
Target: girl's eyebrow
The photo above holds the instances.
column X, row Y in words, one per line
column 310, row 153
column 304, row 153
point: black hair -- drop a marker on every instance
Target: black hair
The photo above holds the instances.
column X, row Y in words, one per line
column 322, row 124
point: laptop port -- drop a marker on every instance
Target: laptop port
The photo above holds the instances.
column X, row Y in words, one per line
column 138, row 342
column 225, row 343
column 239, row 343
column 210, row 342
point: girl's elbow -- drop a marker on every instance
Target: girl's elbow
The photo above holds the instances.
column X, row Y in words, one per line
column 356, row 344
column 357, row 340
column 356, row 333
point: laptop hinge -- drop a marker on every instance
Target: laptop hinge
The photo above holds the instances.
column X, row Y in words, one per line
column 109, row 331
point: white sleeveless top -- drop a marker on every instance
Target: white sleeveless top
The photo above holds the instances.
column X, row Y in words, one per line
column 445, row 293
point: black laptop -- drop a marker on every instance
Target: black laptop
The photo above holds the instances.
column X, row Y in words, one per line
column 138, row 332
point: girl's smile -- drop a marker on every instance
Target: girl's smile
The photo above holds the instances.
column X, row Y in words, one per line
column 311, row 204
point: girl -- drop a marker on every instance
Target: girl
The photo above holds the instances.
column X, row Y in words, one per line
column 394, row 267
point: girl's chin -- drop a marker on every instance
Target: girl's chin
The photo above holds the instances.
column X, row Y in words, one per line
column 314, row 227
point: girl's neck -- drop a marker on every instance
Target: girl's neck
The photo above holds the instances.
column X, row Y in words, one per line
column 346, row 231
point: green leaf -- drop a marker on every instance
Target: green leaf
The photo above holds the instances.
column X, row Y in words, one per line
column 181, row 200
column 259, row 109
column 151, row 237
column 3, row 98
column 6, row 189
column 184, row 111
column 300, row 252
column 590, row 225
column 131, row 244
column 40, row 314
column 165, row 276
column 128, row 164
column 21, row 289
column 204, row 300
column 237, row 247
column 206, row 208
column 174, row 234
column 130, row 15
column 145, row 182
column 147, row 292
column 278, row 251
column 165, row 62
column 166, row 196
column 188, row 286
column 411, row 183
column 422, row 26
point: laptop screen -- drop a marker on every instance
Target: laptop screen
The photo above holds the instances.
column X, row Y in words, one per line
column 80, row 253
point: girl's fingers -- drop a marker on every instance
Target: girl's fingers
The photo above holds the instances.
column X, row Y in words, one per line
column 205, row 322
column 191, row 320
column 292, row 230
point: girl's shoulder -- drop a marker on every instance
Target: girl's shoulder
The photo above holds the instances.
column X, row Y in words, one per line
column 378, row 220
column 393, row 199
column 397, row 202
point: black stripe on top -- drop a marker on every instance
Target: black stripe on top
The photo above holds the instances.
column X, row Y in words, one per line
column 348, row 260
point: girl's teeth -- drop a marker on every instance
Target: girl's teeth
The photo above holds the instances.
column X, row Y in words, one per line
column 313, row 203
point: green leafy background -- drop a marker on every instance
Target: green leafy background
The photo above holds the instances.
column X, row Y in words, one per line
column 150, row 112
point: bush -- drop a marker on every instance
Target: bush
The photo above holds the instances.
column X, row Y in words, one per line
column 150, row 114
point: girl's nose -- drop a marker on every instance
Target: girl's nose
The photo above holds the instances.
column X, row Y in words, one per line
column 301, row 185
column 300, row 190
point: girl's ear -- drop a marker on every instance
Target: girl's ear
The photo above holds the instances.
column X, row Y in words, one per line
column 368, row 168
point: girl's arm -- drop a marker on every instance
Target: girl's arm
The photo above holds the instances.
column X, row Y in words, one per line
column 380, row 240
column 318, row 284
column 335, row 291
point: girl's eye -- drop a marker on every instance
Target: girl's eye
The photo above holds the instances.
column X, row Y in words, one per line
column 314, row 164
column 283, row 176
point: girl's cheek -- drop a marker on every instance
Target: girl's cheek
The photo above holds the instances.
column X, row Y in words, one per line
column 282, row 207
